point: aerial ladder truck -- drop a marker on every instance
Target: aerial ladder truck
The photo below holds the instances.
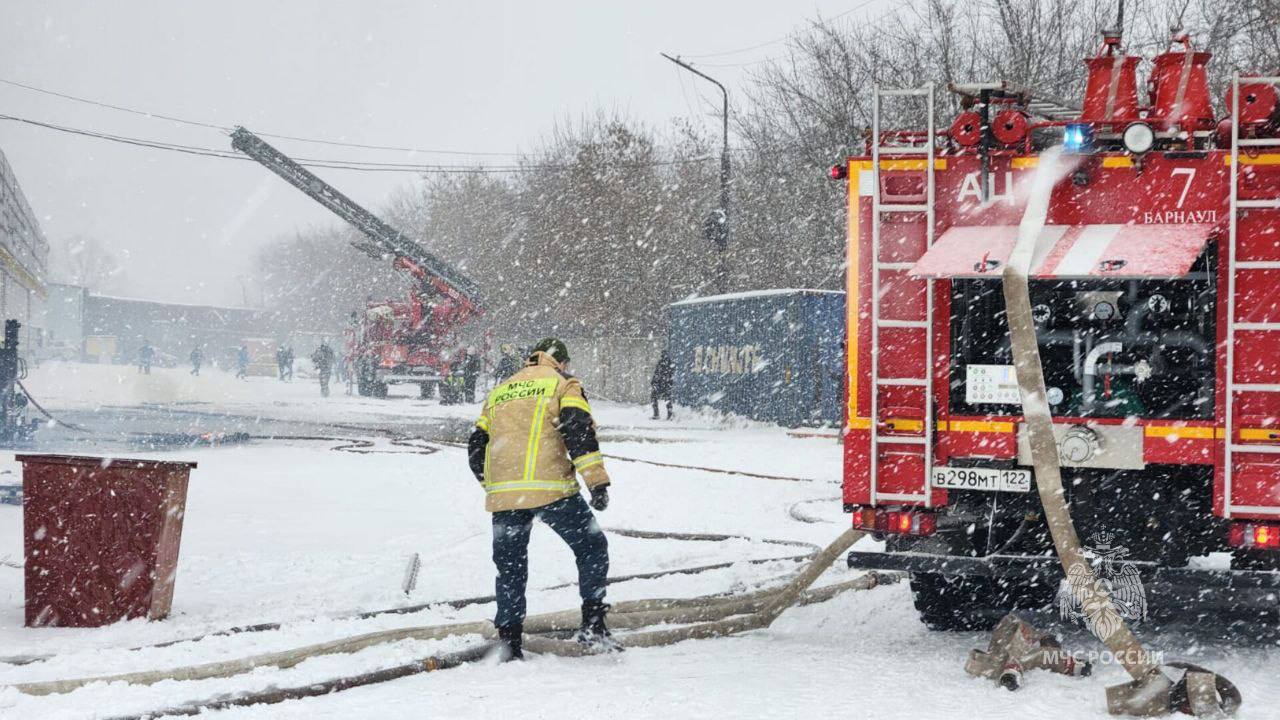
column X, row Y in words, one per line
column 391, row 342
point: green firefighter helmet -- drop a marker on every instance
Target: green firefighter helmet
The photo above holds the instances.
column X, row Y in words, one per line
column 553, row 347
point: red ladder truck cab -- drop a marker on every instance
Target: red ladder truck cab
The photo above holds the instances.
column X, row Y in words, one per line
column 1155, row 288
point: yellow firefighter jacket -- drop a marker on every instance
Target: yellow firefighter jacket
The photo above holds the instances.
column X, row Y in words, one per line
column 526, row 462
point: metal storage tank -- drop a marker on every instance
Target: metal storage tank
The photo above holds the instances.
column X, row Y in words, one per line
column 770, row 355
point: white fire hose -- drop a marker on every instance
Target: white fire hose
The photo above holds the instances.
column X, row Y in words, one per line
column 712, row 616
column 1151, row 692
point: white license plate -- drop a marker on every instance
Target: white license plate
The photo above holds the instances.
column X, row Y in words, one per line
column 990, row 479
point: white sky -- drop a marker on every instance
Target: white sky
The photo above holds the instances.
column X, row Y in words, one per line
column 478, row 76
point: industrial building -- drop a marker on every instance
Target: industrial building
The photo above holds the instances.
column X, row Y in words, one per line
column 24, row 257
column 102, row 328
column 115, row 328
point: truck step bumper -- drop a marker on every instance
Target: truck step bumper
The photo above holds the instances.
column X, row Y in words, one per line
column 1237, row 590
column 401, row 378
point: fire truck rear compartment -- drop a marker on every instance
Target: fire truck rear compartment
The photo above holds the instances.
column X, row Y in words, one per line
column 1112, row 350
column 1109, row 348
column 1140, row 348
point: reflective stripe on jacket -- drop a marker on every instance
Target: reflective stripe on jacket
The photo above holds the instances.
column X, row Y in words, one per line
column 526, row 463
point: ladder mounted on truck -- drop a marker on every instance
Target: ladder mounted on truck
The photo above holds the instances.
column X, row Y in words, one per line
column 438, row 277
column 1234, row 442
column 922, row 327
column 1035, row 102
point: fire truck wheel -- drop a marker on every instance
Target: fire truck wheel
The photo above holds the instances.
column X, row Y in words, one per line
column 954, row 603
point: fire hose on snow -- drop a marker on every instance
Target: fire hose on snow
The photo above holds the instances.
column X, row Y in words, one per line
column 699, row 617
column 459, row 603
column 1151, row 692
column 413, row 444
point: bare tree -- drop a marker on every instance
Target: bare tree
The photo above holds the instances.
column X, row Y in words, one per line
column 85, row 261
column 602, row 226
column 314, row 279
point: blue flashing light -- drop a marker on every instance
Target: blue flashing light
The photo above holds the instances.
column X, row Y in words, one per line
column 1075, row 138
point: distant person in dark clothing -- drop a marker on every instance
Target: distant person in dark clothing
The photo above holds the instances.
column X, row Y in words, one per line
column 242, row 362
column 339, row 368
column 146, row 356
column 508, row 364
column 452, row 385
column 322, row 358
column 660, row 384
column 342, row 371
column 470, row 374
column 280, row 363
column 288, row 363
column 197, row 359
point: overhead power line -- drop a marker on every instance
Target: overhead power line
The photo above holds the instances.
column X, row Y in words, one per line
column 337, row 164
column 525, row 162
column 110, row 106
column 226, row 128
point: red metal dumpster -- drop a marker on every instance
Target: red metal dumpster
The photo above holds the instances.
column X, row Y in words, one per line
column 101, row 537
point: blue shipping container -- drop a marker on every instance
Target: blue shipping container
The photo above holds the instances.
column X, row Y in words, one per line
column 771, row 355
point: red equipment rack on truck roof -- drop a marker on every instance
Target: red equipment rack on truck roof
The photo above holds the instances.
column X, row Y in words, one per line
column 1156, row 293
column 409, row 341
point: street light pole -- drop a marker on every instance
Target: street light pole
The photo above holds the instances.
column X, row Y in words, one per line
column 717, row 227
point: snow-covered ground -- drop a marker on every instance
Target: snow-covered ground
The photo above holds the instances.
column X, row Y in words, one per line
column 87, row 386
column 296, row 532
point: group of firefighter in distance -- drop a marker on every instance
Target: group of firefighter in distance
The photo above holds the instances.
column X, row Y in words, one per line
column 457, row 385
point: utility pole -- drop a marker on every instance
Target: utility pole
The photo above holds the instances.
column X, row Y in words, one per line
column 716, row 226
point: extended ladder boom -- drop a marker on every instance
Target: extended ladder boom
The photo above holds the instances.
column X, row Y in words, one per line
column 386, row 239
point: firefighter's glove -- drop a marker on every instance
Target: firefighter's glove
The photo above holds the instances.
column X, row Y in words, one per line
column 600, row 497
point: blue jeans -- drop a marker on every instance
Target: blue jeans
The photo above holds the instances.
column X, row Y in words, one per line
column 572, row 520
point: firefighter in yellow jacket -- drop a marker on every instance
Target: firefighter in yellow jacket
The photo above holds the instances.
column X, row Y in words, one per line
column 535, row 431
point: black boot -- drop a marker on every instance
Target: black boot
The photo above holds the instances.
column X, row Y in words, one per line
column 594, row 634
column 510, row 641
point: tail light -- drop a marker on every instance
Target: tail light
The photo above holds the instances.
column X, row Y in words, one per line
column 838, row 172
column 1258, row 536
column 895, row 522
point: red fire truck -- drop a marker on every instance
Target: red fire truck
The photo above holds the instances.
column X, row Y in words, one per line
column 410, row 341
column 1155, row 288
column 388, row 341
